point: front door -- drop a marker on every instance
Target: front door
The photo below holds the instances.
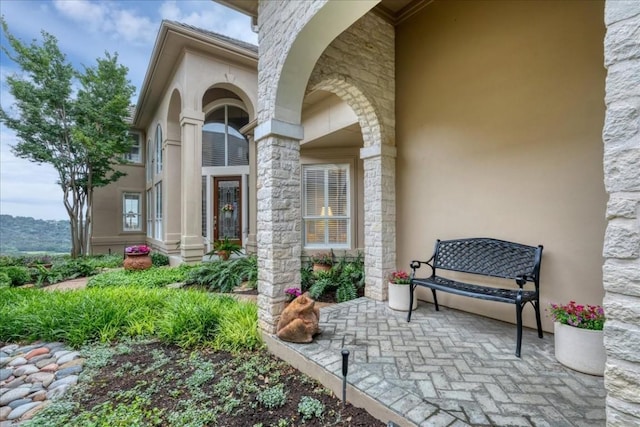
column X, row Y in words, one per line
column 227, row 208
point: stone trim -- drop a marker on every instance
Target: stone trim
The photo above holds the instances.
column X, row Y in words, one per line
column 278, row 128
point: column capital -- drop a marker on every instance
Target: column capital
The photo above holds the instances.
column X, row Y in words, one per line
column 279, row 128
column 378, row 151
column 191, row 117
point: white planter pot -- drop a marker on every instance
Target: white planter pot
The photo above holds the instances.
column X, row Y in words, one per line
column 399, row 297
column 580, row 349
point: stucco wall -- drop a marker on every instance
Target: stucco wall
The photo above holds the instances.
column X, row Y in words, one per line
column 107, row 233
column 499, row 121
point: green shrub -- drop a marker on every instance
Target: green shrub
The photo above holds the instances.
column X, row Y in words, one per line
column 105, row 261
column 7, row 261
column 155, row 277
column 159, row 260
column 345, row 279
column 186, row 318
column 224, row 276
column 5, row 280
column 18, row 275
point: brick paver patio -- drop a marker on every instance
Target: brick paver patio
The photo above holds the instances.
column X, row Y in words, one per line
column 451, row 368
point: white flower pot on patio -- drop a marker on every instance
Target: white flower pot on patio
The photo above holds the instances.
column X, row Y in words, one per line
column 580, row 349
column 399, row 297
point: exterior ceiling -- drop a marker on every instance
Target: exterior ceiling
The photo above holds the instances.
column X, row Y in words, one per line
column 395, row 11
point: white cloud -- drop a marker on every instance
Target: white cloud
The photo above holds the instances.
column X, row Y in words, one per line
column 27, row 189
column 216, row 18
column 111, row 19
column 85, row 29
column 93, row 15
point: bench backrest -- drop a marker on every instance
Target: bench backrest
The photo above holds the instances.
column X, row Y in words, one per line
column 489, row 257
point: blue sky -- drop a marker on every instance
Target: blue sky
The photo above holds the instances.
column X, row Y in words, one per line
column 85, row 29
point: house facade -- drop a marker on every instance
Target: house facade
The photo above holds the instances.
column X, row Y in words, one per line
column 412, row 121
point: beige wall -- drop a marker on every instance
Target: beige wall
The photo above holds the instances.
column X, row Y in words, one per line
column 108, row 234
column 500, row 112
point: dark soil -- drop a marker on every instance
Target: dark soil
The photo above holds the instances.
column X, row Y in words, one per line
column 222, row 388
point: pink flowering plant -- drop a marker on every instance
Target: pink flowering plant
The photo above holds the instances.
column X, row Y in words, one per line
column 578, row 315
column 292, row 293
column 400, row 277
column 227, row 208
column 137, row 249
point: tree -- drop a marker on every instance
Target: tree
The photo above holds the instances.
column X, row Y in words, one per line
column 83, row 135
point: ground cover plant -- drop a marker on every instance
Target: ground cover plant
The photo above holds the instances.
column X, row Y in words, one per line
column 155, row 384
column 167, row 357
column 181, row 317
column 155, row 277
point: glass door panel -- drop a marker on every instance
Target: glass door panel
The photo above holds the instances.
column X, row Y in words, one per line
column 227, row 209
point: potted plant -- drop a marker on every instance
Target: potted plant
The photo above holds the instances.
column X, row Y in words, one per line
column 322, row 261
column 137, row 257
column 224, row 248
column 578, row 336
column 292, row 293
column 399, row 291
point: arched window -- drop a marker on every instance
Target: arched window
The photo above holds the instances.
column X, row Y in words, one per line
column 149, row 160
column 158, row 153
column 222, row 142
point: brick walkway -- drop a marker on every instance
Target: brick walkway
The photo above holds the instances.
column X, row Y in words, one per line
column 452, row 368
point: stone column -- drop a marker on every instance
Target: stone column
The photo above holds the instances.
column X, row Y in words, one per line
column 251, row 245
column 279, row 232
column 191, row 244
column 621, row 272
column 172, row 195
column 379, row 218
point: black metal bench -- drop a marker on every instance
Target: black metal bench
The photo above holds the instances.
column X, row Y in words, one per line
column 485, row 257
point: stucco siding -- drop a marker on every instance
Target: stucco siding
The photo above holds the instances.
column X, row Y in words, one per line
column 500, row 113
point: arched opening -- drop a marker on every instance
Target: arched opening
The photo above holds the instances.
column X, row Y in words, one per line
column 225, row 167
column 173, row 173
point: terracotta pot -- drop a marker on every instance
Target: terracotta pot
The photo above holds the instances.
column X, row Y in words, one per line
column 399, row 297
column 137, row 262
column 321, row 267
column 580, row 349
column 223, row 255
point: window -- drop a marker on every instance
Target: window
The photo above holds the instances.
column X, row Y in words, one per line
column 158, row 213
column 131, row 212
column 326, row 206
column 135, row 154
column 149, row 163
column 158, row 155
column 149, row 213
column 222, row 142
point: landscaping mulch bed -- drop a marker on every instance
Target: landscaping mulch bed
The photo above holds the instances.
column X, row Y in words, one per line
column 170, row 386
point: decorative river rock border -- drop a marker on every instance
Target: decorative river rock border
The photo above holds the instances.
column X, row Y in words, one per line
column 33, row 375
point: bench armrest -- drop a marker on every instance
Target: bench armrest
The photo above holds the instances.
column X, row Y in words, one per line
column 522, row 280
column 416, row 264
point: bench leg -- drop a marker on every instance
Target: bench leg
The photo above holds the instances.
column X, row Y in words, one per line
column 536, row 306
column 519, row 325
column 435, row 299
column 411, row 289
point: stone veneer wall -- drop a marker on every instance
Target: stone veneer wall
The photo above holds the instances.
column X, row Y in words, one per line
column 621, row 272
column 359, row 67
column 278, row 160
column 279, row 23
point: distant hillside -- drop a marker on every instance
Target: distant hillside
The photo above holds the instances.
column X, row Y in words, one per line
column 25, row 234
